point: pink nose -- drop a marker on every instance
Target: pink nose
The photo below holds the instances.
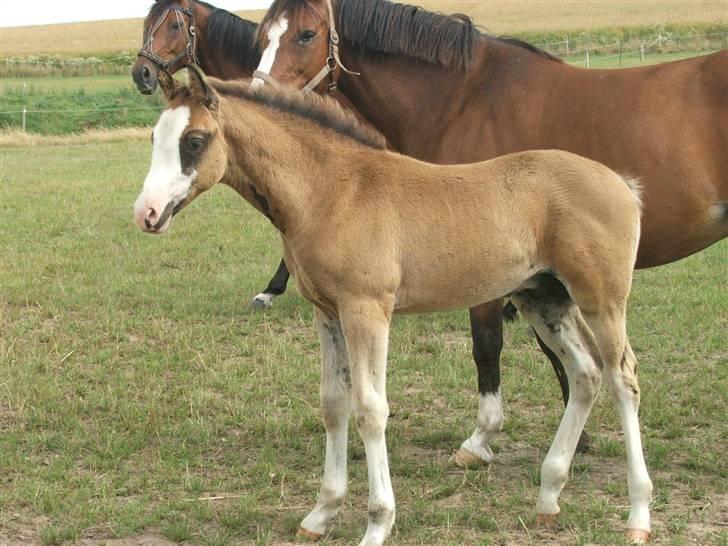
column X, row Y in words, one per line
column 151, row 216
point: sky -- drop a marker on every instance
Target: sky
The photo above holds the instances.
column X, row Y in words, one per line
column 43, row 12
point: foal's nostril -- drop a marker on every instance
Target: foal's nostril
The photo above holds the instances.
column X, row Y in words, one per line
column 151, row 218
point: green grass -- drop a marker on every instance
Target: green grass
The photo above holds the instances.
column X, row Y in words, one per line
column 90, row 84
column 135, row 382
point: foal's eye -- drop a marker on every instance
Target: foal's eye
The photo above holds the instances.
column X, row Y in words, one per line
column 195, row 144
column 306, row 36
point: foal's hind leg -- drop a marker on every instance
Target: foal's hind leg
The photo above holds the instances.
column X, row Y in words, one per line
column 620, row 375
column 486, row 327
column 276, row 287
column 559, row 324
column 336, row 409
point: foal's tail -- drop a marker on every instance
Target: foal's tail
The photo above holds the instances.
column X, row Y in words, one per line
column 635, row 187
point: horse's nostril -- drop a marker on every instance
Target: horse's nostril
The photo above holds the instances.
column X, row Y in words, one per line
column 146, row 73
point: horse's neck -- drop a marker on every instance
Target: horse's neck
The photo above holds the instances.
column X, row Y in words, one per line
column 212, row 64
column 426, row 111
column 270, row 164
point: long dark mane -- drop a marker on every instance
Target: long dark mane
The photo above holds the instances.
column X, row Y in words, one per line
column 388, row 28
column 322, row 110
column 228, row 36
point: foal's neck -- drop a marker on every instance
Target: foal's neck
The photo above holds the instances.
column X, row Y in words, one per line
column 278, row 162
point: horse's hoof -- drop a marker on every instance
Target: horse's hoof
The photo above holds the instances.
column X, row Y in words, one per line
column 585, row 442
column 638, row 536
column 465, row 459
column 547, row 521
column 307, row 536
column 262, row 301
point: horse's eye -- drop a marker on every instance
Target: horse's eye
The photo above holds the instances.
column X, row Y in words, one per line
column 176, row 25
column 306, row 36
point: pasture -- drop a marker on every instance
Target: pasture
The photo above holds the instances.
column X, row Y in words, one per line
column 141, row 399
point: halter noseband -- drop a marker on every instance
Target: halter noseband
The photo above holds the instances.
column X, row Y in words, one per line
column 329, row 69
column 190, row 50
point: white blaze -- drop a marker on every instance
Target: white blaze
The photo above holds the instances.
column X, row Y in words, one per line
column 268, row 58
column 165, row 181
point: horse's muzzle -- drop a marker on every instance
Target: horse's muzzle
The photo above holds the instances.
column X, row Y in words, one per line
column 145, row 77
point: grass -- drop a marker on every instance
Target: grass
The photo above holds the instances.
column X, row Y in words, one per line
column 135, row 384
column 89, row 84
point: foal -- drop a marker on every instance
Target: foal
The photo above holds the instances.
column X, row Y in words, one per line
column 368, row 233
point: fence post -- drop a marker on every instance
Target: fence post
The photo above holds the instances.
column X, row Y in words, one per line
column 587, row 58
column 25, row 111
column 659, row 40
column 642, row 52
column 567, row 46
column 620, row 53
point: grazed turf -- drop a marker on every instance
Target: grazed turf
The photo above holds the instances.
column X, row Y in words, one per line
column 135, row 384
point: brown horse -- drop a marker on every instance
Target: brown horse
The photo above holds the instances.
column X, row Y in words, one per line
column 443, row 92
column 180, row 32
column 362, row 228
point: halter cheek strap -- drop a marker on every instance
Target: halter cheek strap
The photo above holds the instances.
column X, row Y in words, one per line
column 329, row 69
column 190, row 50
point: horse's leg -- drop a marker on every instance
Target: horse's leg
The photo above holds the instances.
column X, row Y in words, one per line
column 366, row 329
column 276, row 287
column 620, row 374
column 560, row 325
column 335, row 409
column 486, row 327
column 585, row 439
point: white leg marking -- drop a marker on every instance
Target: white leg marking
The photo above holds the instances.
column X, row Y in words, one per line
column 367, row 333
column 268, row 58
column 490, row 423
column 165, row 181
column 564, row 331
column 263, row 301
column 335, row 395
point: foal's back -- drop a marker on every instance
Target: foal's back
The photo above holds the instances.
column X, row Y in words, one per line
column 464, row 234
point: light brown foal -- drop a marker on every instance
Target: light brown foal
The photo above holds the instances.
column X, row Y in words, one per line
column 368, row 233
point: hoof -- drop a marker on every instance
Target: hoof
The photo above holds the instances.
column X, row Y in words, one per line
column 585, row 442
column 262, row 301
column 465, row 459
column 307, row 536
column 547, row 521
column 638, row 536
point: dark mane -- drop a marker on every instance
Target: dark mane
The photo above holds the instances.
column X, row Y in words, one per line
column 230, row 36
column 530, row 47
column 388, row 28
column 322, row 110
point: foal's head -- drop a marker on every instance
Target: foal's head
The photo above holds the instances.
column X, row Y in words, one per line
column 189, row 153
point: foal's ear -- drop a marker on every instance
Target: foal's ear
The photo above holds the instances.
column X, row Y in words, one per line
column 200, row 89
column 167, row 84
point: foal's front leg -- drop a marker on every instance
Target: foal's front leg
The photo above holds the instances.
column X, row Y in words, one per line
column 366, row 329
column 335, row 409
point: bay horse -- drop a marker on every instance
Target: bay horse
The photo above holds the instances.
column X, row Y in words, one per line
column 180, row 32
column 368, row 233
column 442, row 91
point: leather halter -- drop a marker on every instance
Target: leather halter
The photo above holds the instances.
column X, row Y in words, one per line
column 329, row 69
column 190, row 50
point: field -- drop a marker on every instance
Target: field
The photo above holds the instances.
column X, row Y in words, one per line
column 135, row 385
column 499, row 17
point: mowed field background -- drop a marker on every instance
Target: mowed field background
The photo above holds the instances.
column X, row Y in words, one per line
column 143, row 402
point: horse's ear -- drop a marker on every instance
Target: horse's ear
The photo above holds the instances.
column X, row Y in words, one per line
column 167, row 84
column 200, row 88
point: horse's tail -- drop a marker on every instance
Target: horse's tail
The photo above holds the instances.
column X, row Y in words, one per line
column 509, row 312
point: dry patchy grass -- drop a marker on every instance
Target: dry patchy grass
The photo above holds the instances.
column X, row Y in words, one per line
column 16, row 137
column 500, row 17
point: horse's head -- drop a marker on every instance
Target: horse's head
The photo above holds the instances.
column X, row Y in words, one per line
column 300, row 45
column 169, row 42
column 189, row 153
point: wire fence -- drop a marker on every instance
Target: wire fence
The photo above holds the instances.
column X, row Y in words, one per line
column 564, row 48
column 621, row 49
